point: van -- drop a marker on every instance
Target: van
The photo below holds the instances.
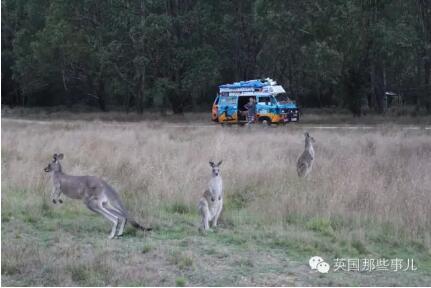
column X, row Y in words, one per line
column 273, row 106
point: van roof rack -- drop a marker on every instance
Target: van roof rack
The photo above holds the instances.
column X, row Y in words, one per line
column 256, row 83
column 251, row 87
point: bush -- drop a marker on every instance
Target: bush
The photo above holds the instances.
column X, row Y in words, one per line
column 320, row 225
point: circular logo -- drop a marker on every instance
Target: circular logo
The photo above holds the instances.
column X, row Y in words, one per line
column 317, row 263
column 323, row 267
column 314, row 261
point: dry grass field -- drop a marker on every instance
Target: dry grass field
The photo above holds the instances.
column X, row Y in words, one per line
column 368, row 196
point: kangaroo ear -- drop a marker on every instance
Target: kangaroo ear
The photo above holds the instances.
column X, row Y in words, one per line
column 306, row 134
column 211, row 163
column 60, row 156
column 54, row 156
column 219, row 163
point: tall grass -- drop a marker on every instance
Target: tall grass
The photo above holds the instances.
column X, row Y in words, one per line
column 360, row 178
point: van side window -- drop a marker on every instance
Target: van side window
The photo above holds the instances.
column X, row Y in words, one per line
column 264, row 100
column 228, row 100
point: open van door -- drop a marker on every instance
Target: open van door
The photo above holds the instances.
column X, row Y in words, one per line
column 242, row 111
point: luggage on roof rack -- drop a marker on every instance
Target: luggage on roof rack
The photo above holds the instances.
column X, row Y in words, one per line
column 249, row 85
column 266, row 85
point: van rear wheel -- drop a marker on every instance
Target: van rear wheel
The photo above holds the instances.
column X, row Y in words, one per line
column 265, row 121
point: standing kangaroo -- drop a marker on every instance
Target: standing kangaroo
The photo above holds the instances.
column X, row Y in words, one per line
column 96, row 194
column 211, row 203
column 305, row 161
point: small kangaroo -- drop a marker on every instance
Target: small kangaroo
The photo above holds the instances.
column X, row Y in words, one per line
column 305, row 161
column 211, row 203
column 96, row 194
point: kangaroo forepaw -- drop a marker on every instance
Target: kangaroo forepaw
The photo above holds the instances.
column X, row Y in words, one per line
column 60, row 201
column 53, row 201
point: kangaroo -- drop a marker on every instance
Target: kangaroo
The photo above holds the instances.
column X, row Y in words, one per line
column 305, row 161
column 211, row 203
column 96, row 194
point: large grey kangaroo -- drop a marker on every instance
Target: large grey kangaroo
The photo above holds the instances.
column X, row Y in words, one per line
column 305, row 161
column 211, row 203
column 96, row 194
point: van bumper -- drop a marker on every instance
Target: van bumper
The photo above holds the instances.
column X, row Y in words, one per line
column 290, row 116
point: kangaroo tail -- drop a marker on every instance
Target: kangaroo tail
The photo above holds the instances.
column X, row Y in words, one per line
column 136, row 225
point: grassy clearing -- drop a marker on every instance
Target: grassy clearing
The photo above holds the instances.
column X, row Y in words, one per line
column 66, row 249
column 368, row 197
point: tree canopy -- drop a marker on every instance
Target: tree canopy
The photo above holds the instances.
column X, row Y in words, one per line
column 172, row 54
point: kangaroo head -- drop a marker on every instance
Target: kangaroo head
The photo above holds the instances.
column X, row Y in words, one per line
column 215, row 168
column 54, row 165
column 308, row 138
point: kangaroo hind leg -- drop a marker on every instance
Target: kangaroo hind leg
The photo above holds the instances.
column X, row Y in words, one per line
column 120, row 215
column 116, row 222
column 217, row 215
column 205, row 215
column 97, row 207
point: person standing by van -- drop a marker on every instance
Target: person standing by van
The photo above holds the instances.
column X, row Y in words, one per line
column 251, row 110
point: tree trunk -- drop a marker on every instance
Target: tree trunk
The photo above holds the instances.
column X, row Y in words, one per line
column 100, row 92
column 427, row 84
column 178, row 101
column 378, row 84
column 140, row 93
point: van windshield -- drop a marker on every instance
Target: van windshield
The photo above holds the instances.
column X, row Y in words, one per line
column 283, row 98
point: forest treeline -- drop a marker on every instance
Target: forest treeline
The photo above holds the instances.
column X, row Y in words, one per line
column 172, row 54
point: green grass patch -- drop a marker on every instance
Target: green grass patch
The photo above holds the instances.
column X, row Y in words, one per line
column 30, row 219
column 228, row 238
column 320, row 225
column 181, row 260
column 244, row 262
column 80, row 274
column 179, row 208
column 147, row 248
column 180, row 282
column 46, row 209
column 293, row 218
column 359, row 246
column 240, row 199
column 8, row 268
column 6, row 216
column 95, row 273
